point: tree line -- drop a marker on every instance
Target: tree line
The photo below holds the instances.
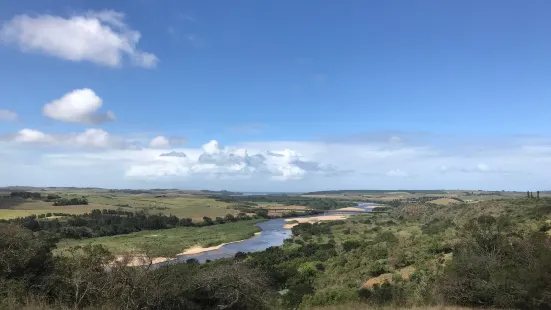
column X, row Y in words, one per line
column 106, row 222
column 312, row 203
column 56, row 199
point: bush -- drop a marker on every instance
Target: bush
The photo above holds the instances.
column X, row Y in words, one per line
column 377, row 268
column 494, row 266
column 351, row 244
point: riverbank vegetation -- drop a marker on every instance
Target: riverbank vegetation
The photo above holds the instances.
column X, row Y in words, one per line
column 494, row 254
column 169, row 242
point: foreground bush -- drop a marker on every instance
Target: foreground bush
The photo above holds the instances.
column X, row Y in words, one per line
column 494, row 266
column 86, row 277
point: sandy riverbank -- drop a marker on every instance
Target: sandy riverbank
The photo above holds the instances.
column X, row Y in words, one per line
column 135, row 260
column 199, row 249
column 312, row 219
column 351, row 209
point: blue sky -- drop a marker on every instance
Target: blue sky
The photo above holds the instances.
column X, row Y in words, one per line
column 353, row 94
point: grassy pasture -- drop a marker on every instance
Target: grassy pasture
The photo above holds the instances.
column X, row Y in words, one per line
column 187, row 206
column 168, row 242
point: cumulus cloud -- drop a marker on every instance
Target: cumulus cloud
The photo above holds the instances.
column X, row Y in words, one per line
column 33, row 136
column 7, row 115
column 101, row 37
column 159, row 142
column 215, row 161
column 162, row 142
column 78, row 106
column 90, row 138
column 275, row 166
column 93, row 138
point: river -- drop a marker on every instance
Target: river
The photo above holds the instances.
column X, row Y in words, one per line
column 272, row 234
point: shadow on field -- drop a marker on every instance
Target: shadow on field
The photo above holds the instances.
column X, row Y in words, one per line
column 10, row 202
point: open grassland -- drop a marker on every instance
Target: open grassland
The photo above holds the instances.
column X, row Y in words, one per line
column 183, row 206
column 444, row 201
column 169, row 242
column 28, row 207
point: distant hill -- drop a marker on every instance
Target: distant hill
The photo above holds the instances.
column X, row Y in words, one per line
column 367, row 192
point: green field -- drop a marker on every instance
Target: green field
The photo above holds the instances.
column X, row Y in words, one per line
column 168, row 242
column 182, row 206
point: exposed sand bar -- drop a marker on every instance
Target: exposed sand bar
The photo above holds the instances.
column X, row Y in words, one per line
column 351, row 209
column 135, row 260
column 199, row 249
column 312, row 219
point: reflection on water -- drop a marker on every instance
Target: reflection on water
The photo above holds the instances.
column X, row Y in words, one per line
column 273, row 234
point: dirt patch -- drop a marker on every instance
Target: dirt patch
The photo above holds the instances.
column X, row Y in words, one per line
column 444, row 201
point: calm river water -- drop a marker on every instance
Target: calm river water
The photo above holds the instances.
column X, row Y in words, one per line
column 272, row 234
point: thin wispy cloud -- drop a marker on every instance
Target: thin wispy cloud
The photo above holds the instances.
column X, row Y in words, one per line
column 251, row 128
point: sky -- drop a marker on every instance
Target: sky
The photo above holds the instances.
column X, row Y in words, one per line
column 276, row 95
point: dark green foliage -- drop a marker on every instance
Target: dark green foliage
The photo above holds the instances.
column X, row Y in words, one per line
column 70, row 202
column 230, row 218
column 246, row 202
column 105, row 222
column 495, row 266
column 436, row 226
column 545, row 226
column 377, row 268
column 351, row 244
column 310, row 229
column 497, row 262
column 52, row 197
column 79, row 279
column 26, row 195
column 207, row 220
column 262, row 213
column 386, row 236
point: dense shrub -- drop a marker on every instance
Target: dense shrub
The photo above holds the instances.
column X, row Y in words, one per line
column 494, row 266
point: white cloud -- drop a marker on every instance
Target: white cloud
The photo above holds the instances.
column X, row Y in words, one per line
column 272, row 166
column 78, row 106
column 33, row 136
column 93, row 138
column 394, row 139
column 214, row 161
column 99, row 37
column 8, row 116
column 482, row 167
column 159, row 142
column 90, row 138
column 162, row 142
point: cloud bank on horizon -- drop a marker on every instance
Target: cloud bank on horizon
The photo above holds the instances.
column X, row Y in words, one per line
column 96, row 158
column 83, row 153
